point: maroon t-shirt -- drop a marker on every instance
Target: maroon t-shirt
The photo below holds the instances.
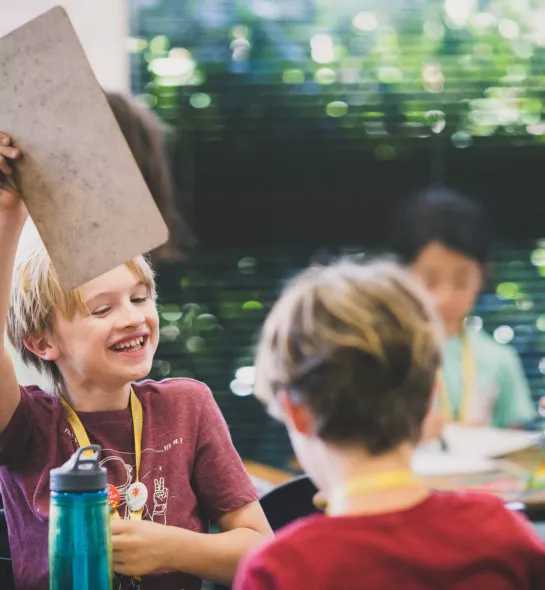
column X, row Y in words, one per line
column 450, row 541
column 189, row 465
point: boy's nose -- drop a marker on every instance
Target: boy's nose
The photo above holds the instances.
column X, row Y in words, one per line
column 132, row 315
column 442, row 299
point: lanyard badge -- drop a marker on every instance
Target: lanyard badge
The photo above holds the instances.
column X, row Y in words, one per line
column 137, row 493
column 468, row 387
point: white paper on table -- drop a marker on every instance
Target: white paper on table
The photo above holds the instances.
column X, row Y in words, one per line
column 487, row 442
column 429, row 463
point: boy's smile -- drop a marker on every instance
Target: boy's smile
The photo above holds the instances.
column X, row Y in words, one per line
column 114, row 344
column 131, row 344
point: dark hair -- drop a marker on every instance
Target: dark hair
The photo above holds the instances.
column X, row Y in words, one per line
column 145, row 134
column 360, row 346
column 446, row 216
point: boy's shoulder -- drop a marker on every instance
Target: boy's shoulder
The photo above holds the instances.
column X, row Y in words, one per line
column 36, row 391
column 463, row 510
column 36, row 396
column 487, row 347
column 502, row 530
column 190, row 393
column 320, row 551
column 172, row 386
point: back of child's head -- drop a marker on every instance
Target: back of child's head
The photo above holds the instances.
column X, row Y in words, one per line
column 359, row 346
column 442, row 215
column 37, row 296
column 146, row 135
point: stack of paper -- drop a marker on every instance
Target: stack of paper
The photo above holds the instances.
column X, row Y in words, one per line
column 488, row 442
column 431, row 463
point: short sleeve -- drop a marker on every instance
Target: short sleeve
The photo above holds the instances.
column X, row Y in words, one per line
column 530, row 547
column 219, row 477
column 254, row 578
column 514, row 406
column 16, row 439
column 274, row 565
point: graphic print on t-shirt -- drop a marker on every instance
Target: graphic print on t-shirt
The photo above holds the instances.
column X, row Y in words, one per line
column 121, row 472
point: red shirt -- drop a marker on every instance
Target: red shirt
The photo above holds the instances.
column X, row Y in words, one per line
column 448, row 541
column 191, row 470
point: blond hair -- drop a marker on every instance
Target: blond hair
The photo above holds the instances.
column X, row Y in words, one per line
column 360, row 346
column 36, row 294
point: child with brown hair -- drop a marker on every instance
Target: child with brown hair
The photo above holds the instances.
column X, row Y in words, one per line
column 171, row 464
column 347, row 360
column 444, row 238
column 146, row 136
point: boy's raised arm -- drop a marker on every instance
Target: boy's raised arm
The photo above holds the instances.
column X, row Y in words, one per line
column 13, row 214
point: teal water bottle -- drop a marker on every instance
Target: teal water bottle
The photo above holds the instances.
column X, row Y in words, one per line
column 80, row 544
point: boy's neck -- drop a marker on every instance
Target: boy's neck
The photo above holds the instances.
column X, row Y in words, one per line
column 91, row 398
column 344, row 465
column 454, row 328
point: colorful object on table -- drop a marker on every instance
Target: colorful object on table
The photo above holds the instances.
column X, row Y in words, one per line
column 499, row 484
column 536, row 473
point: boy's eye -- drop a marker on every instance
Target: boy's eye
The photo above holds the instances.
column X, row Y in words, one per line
column 101, row 311
column 139, row 299
column 104, row 310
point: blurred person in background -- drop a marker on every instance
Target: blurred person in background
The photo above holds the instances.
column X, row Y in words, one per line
column 146, row 136
column 444, row 238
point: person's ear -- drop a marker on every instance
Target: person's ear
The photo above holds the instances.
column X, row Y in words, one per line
column 296, row 414
column 486, row 272
column 42, row 346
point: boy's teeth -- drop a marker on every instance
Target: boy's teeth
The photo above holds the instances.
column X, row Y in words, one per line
column 135, row 343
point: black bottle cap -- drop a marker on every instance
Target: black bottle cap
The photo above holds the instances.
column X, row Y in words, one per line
column 81, row 473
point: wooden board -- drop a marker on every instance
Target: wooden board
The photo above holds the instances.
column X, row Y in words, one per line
column 78, row 177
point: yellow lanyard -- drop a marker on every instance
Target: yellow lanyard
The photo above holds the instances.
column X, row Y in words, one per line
column 387, row 480
column 468, row 386
column 137, row 424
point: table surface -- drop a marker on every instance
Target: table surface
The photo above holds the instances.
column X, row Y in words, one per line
column 508, row 483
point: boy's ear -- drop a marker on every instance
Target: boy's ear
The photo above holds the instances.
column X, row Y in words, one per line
column 296, row 414
column 486, row 272
column 42, row 346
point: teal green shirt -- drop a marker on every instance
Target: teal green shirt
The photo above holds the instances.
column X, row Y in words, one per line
column 502, row 397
